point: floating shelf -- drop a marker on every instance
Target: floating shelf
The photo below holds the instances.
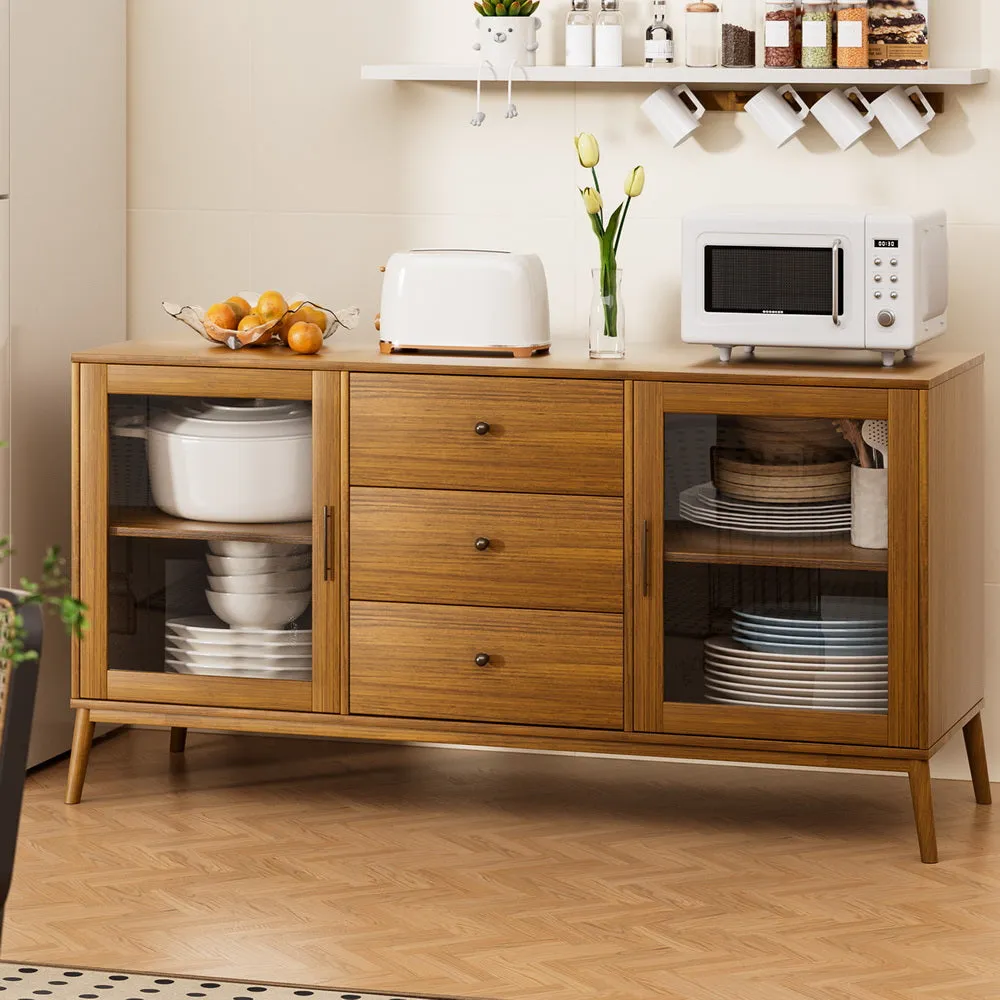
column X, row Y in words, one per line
column 148, row 522
column 691, row 543
column 721, row 79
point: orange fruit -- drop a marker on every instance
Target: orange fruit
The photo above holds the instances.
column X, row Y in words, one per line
column 312, row 314
column 305, row 338
column 240, row 306
column 290, row 320
column 270, row 306
column 250, row 322
column 223, row 316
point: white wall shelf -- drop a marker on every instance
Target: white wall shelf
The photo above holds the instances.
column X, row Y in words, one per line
column 721, row 79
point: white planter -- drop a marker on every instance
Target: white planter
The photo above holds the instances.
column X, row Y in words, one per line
column 507, row 40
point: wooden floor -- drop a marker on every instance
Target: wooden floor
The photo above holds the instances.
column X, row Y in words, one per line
column 505, row 875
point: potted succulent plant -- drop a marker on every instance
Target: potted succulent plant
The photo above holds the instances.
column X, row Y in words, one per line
column 508, row 32
column 20, row 649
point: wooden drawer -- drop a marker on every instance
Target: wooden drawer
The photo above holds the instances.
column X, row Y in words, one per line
column 544, row 435
column 560, row 553
column 545, row 668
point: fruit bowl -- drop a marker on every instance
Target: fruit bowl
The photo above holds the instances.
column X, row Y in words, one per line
column 266, row 333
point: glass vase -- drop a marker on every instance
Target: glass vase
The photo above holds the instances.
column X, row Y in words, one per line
column 607, row 315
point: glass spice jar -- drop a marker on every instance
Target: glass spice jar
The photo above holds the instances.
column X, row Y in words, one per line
column 779, row 33
column 817, row 34
column 701, row 28
column 739, row 34
column 852, row 34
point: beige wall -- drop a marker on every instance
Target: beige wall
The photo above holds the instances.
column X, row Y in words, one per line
column 259, row 158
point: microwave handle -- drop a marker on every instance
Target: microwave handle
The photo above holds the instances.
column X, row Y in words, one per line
column 837, row 244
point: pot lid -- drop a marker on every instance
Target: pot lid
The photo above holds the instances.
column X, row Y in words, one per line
column 234, row 418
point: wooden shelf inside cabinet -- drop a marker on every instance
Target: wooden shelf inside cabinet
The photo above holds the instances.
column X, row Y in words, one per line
column 685, row 542
column 148, row 522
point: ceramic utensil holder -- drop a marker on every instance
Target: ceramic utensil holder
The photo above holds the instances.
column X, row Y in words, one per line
column 869, row 508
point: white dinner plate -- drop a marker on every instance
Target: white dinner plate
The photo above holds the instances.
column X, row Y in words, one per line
column 878, row 668
column 820, row 650
column 747, row 530
column 720, row 699
column 852, row 612
column 813, row 678
column 790, row 699
column 876, row 692
column 237, row 658
column 875, row 632
column 176, row 667
column 241, row 649
column 208, row 628
column 707, row 495
column 743, row 633
column 768, row 515
column 691, row 513
column 725, row 646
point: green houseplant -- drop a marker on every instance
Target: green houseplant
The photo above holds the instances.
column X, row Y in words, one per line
column 20, row 647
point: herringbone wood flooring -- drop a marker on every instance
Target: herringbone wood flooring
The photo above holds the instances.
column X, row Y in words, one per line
column 506, row 875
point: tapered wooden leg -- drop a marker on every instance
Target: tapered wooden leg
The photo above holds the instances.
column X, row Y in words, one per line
column 178, row 739
column 975, row 747
column 923, row 810
column 83, row 735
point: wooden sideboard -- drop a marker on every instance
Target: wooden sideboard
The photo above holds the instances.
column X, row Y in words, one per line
column 499, row 559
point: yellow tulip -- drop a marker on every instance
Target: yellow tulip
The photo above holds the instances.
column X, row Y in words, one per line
column 635, row 182
column 588, row 150
column 592, row 201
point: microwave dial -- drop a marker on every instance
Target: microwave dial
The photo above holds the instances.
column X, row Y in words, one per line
column 886, row 318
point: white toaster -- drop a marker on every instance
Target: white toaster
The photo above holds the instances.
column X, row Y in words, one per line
column 465, row 300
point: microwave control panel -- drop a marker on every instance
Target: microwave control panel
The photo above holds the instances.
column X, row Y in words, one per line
column 886, row 280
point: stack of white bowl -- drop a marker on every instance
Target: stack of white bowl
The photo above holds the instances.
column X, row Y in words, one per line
column 259, row 584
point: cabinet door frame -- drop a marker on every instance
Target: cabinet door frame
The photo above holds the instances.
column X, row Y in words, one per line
column 93, row 680
column 907, row 642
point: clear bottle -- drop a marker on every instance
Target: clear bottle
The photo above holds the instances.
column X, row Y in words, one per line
column 660, row 37
column 852, row 34
column 701, row 26
column 817, row 34
column 739, row 34
column 580, row 35
column 609, row 35
column 779, row 34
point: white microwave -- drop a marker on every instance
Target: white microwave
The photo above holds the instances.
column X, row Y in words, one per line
column 814, row 277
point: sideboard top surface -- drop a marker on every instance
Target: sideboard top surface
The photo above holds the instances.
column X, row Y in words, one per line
column 358, row 352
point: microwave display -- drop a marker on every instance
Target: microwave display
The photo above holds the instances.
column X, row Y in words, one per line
column 887, row 244
column 778, row 280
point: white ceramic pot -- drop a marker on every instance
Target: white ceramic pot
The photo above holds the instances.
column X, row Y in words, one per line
column 506, row 40
column 234, row 461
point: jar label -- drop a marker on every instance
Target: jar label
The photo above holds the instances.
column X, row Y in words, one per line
column 849, row 34
column 660, row 50
column 579, row 45
column 608, row 45
column 777, row 34
column 815, row 34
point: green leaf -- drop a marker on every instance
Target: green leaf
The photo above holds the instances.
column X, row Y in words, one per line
column 515, row 8
column 501, row 9
column 480, row 9
column 612, row 231
column 488, row 6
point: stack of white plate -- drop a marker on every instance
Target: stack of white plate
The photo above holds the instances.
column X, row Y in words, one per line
column 834, row 657
column 259, row 584
column 208, row 647
column 706, row 506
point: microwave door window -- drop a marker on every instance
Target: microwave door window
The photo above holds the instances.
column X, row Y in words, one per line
column 776, row 281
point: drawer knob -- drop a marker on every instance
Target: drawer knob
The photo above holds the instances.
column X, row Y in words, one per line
column 482, row 428
column 482, row 659
column 482, row 544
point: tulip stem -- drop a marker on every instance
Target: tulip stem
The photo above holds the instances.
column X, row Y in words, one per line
column 621, row 225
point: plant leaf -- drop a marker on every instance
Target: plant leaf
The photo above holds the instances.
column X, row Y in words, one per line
column 480, row 9
column 612, row 231
column 488, row 5
column 501, row 10
column 515, row 8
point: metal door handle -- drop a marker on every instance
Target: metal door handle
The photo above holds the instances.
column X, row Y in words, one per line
column 645, row 558
column 836, row 282
column 329, row 545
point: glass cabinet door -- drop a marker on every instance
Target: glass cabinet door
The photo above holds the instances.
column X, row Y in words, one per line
column 770, row 529
column 219, row 568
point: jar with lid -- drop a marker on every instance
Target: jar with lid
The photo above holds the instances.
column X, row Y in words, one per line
column 739, row 34
column 852, row 34
column 779, row 33
column 701, row 26
column 817, row 34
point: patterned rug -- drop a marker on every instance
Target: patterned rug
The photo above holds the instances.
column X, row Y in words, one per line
column 38, row 982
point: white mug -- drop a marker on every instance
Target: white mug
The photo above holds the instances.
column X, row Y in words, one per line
column 672, row 116
column 899, row 116
column 844, row 122
column 775, row 115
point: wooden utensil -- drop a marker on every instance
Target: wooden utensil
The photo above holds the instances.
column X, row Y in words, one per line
column 850, row 430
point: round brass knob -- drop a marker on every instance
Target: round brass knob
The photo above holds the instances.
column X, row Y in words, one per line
column 482, row 659
column 482, row 544
column 482, row 428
